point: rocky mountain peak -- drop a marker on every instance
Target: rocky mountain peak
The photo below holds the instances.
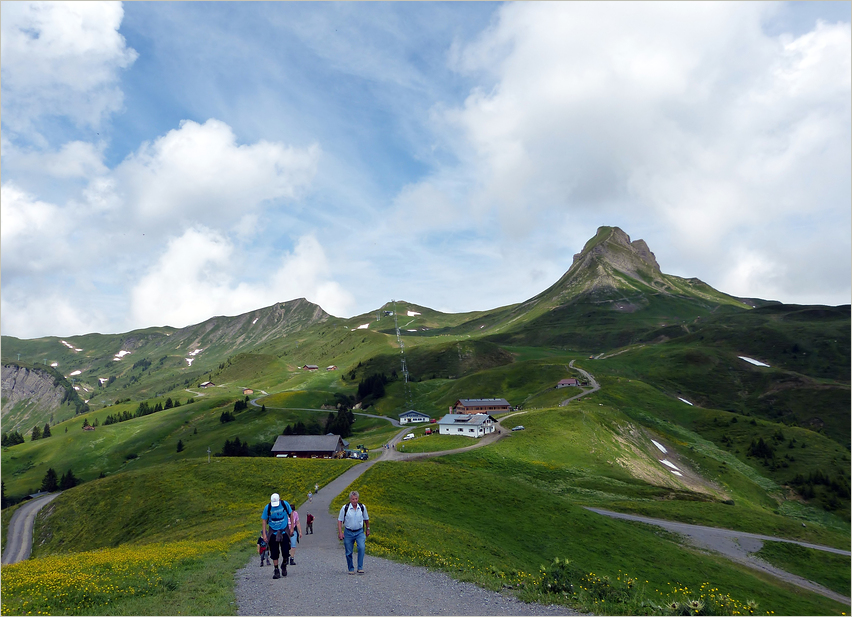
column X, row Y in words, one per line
column 612, row 247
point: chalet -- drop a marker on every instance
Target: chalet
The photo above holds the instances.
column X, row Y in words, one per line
column 411, row 416
column 567, row 382
column 331, row 368
column 480, row 405
column 248, row 391
column 88, row 427
column 308, row 446
column 470, row 425
column 207, row 384
column 310, row 367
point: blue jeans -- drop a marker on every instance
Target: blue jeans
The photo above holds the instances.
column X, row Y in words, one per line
column 349, row 539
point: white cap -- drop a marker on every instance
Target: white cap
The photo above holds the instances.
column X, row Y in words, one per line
column 275, row 500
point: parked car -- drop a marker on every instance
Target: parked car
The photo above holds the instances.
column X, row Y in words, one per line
column 364, row 456
column 409, row 436
column 518, row 428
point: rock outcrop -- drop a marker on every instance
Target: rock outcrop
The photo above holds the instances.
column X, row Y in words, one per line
column 29, row 396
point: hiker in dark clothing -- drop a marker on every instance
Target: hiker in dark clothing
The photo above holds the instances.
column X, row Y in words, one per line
column 310, row 520
column 277, row 528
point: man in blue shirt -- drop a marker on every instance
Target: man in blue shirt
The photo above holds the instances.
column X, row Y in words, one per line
column 353, row 516
column 277, row 529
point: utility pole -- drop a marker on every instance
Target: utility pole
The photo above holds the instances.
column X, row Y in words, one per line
column 401, row 343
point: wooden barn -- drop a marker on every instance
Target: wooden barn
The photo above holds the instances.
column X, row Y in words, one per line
column 308, row 446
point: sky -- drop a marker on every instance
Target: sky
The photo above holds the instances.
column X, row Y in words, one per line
column 163, row 163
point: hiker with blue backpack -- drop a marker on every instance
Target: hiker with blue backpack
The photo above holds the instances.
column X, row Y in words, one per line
column 354, row 518
column 277, row 520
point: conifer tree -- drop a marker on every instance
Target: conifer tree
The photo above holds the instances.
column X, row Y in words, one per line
column 49, row 483
column 68, row 480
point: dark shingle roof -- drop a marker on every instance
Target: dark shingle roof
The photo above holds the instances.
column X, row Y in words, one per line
column 306, row 443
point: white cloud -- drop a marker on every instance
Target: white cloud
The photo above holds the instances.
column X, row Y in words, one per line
column 48, row 314
column 686, row 115
column 306, row 273
column 663, row 104
column 199, row 172
column 198, row 276
column 61, row 58
column 75, row 159
column 752, row 274
column 33, row 233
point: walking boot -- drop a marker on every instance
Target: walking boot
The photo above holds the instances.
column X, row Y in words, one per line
column 284, row 569
column 292, row 561
column 277, row 574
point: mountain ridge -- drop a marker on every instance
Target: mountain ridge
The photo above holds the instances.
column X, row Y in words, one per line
column 614, row 294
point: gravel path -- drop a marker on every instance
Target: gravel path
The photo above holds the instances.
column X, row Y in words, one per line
column 595, row 385
column 737, row 546
column 319, row 584
column 19, row 542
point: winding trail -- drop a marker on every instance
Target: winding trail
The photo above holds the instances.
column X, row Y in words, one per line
column 737, row 546
column 19, row 543
column 595, row 385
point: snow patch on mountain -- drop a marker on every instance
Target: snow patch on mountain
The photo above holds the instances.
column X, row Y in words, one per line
column 753, row 361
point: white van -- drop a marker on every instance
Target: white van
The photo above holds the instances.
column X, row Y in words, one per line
column 409, row 436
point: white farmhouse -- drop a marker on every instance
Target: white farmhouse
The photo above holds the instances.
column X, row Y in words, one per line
column 470, row 425
column 411, row 416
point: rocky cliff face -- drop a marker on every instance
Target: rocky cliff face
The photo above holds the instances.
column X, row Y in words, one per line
column 22, row 384
column 611, row 268
column 30, row 397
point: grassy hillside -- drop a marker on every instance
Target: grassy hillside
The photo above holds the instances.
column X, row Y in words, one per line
column 712, row 375
column 457, row 533
column 152, row 440
column 129, row 544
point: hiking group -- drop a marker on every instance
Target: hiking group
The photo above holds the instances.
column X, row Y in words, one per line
column 281, row 531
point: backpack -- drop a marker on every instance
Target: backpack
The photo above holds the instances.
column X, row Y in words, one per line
column 287, row 508
column 349, row 505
